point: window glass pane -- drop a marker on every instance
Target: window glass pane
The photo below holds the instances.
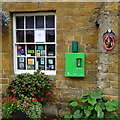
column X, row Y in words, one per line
column 21, row 50
column 50, row 50
column 40, row 64
column 20, row 35
column 30, row 50
column 40, row 50
column 20, row 22
column 50, row 36
column 50, row 63
column 31, row 63
column 39, row 21
column 21, row 63
column 50, row 21
column 29, row 36
column 29, row 22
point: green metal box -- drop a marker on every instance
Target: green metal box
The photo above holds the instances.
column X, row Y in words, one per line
column 74, row 64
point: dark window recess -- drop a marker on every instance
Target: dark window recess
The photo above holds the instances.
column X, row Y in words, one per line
column 31, row 50
column 20, row 22
column 39, row 21
column 29, row 36
column 50, row 36
column 29, row 22
column 50, row 21
column 50, row 50
column 20, row 36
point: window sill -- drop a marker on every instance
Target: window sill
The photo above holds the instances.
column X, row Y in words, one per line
column 47, row 72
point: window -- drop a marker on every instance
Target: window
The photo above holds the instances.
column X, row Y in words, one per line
column 34, row 42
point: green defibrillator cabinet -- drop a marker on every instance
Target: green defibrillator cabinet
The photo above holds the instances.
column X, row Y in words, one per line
column 74, row 64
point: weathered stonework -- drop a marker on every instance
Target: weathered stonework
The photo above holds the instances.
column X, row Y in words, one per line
column 75, row 21
column 108, row 60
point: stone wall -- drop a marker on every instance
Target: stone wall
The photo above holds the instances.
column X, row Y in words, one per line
column 75, row 21
column 108, row 60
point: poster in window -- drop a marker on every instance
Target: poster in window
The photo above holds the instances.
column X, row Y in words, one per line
column 42, row 61
column 30, row 61
column 39, row 36
column 50, row 61
column 30, row 51
column 30, row 67
column 38, row 52
column 40, row 47
column 21, row 50
column 21, row 59
column 21, row 65
column 42, row 52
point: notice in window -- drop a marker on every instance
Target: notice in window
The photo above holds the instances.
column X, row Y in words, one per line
column 39, row 36
column 21, row 65
column 30, row 61
column 21, row 59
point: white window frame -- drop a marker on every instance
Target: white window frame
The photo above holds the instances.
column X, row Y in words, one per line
column 17, row 71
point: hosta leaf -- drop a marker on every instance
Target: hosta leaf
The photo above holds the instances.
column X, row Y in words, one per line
column 111, row 105
column 68, row 116
column 102, row 105
column 114, row 116
column 86, row 94
column 73, row 99
column 92, row 101
column 84, row 99
column 96, row 94
column 98, row 109
column 87, row 110
column 94, row 116
column 77, row 114
column 100, row 114
column 74, row 103
column 87, row 113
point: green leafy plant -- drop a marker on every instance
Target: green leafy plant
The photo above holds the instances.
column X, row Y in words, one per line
column 26, row 93
column 9, row 105
column 4, row 19
column 37, row 86
column 34, row 110
column 92, row 106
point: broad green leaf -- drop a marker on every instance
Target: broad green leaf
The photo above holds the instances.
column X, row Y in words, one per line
column 74, row 103
column 100, row 114
column 101, row 104
column 92, row 101
column 77, row 114
column 68, row 116
column 86, row 94
column 73, row 99
column 114, row 116
column 112, row 105
column 84, row 99
column 94, row 116
column 87, row 113
column 96, row 94
column 98, row 109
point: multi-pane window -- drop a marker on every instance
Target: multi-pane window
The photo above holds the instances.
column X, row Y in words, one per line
column 34, row 42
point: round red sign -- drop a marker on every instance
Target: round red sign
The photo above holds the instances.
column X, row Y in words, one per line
column 109, row 40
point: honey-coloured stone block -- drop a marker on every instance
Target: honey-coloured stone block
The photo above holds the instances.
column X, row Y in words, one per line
column 113, row 68
column 90, row 39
